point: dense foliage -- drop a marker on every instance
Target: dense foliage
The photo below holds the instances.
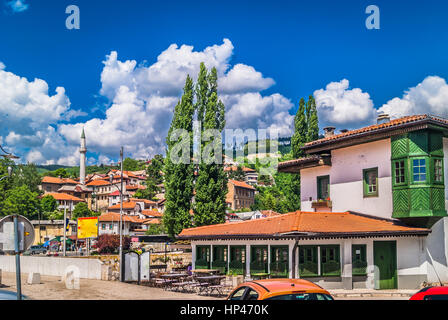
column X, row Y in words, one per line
column 110, row 243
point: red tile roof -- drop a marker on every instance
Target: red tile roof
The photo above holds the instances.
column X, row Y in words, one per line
column 63, row 196
column 56, row 180
column 241, row 184
column 379, row 127
column 113, row 216
column 99, row 183
column 126, row 205
column 152, row 213
column 309, row 223
column 233, row 168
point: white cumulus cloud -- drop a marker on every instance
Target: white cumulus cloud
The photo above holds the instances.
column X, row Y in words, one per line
column 428, row 97
column 341, row 106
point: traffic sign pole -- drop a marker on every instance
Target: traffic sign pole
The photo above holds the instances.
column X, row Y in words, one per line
column 17, row 252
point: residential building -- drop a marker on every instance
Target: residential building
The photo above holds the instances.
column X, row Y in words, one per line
column 100, row 193
column 251, row 175
column 80, row 191
column 374, row 214
column 53, row 184
column 65, row 201
column 45, row 230
column 109, row 223
column 240, row 195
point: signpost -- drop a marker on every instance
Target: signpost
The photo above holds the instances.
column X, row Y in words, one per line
column 16, row 236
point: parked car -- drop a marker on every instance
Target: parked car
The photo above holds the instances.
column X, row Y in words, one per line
column 36, row 250
column 10, row 295
column 279, row 289
column 431, row 293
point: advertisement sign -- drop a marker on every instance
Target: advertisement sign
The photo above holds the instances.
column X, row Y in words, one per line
column 87, row 227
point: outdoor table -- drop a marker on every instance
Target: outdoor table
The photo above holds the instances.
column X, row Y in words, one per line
column 261, row 275
column 170, row 278
column 210, row 283
column 205, row 271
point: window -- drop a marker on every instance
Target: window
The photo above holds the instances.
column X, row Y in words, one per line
column 371, row 182
column 419, row 170
column 238, row 294
column 438, row 170
column 103, row 226
column 111, row 226
column 323, row 187
column 399, row 172
column 359, row 259
column 308, row 261
column 330, row 264
column 302, row 296
column 251, row 295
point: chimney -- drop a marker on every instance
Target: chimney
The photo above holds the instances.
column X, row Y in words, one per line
column 383, row 118
column 344, row 130
column 329, row 131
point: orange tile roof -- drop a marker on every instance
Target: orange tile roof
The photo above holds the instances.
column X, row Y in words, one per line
column 233, row 168
column 57, row 180
column 152, row 213
column 152, row 221
column 99, row 182
column 309, row 223
column 63, row 196
column 126, row 205
column 143, row 200
column 113, row 216
column 379, row 127
column 241, row 184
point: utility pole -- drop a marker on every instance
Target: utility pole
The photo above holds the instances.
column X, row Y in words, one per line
column 65, row 228
column 121, row 217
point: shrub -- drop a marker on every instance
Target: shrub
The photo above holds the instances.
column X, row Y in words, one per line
column 110, row 243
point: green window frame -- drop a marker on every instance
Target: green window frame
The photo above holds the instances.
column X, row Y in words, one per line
column 438, row 170
column 359, row 259
column 258, row 259
column 419, row 170
column 330, row 264
column 237, row 260
column 370, row 182
column 279, row 265
column 323, row 187
column 308, row 264
column 220, row 257
column 202, row 257
column 399, row 171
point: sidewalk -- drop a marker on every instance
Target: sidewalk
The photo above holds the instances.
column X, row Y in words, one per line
column 372, row 293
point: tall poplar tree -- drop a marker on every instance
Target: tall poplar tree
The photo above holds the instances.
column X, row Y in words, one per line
column 300, row 131
column 179, row 176
column 312, row 120
column 211, row 183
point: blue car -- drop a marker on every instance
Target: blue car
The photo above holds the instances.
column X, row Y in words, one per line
column 10, row 295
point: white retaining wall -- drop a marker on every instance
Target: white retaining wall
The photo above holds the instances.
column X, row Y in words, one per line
column 52, row 266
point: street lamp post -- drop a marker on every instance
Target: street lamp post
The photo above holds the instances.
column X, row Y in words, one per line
column 111, row 178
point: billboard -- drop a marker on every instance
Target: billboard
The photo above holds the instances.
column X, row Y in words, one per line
column 87, row 227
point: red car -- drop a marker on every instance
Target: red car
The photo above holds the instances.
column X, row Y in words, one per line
column 431, row 293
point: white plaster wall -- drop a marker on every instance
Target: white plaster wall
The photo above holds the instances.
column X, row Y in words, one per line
column 346, row 179
column 436, row 251
column 53, row 266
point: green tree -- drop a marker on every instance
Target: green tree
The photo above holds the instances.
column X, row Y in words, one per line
column 312, row 120
column 48, row 204
column 27, row 174
column 237, row 174
column 211, row 183
column 82, row 210
column 130, row 164
column 300, row 133
column 178, row 175
column 21, row 201
column 61, row 172
column 153, row 179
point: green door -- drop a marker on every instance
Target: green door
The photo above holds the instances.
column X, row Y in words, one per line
column 385, row 258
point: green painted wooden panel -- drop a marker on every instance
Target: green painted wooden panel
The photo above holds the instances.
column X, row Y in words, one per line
column 438, row 199
column 436, row 143
column 419, row 199
column 418, row 143
column 385, row 258
column 401, row 201
column 399, row 147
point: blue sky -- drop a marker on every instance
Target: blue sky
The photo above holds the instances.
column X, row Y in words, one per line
column 288, row 49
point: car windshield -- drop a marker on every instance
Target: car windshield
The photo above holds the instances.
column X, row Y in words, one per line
column 302, row 296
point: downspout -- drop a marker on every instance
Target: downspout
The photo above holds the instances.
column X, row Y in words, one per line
column 294, row 250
